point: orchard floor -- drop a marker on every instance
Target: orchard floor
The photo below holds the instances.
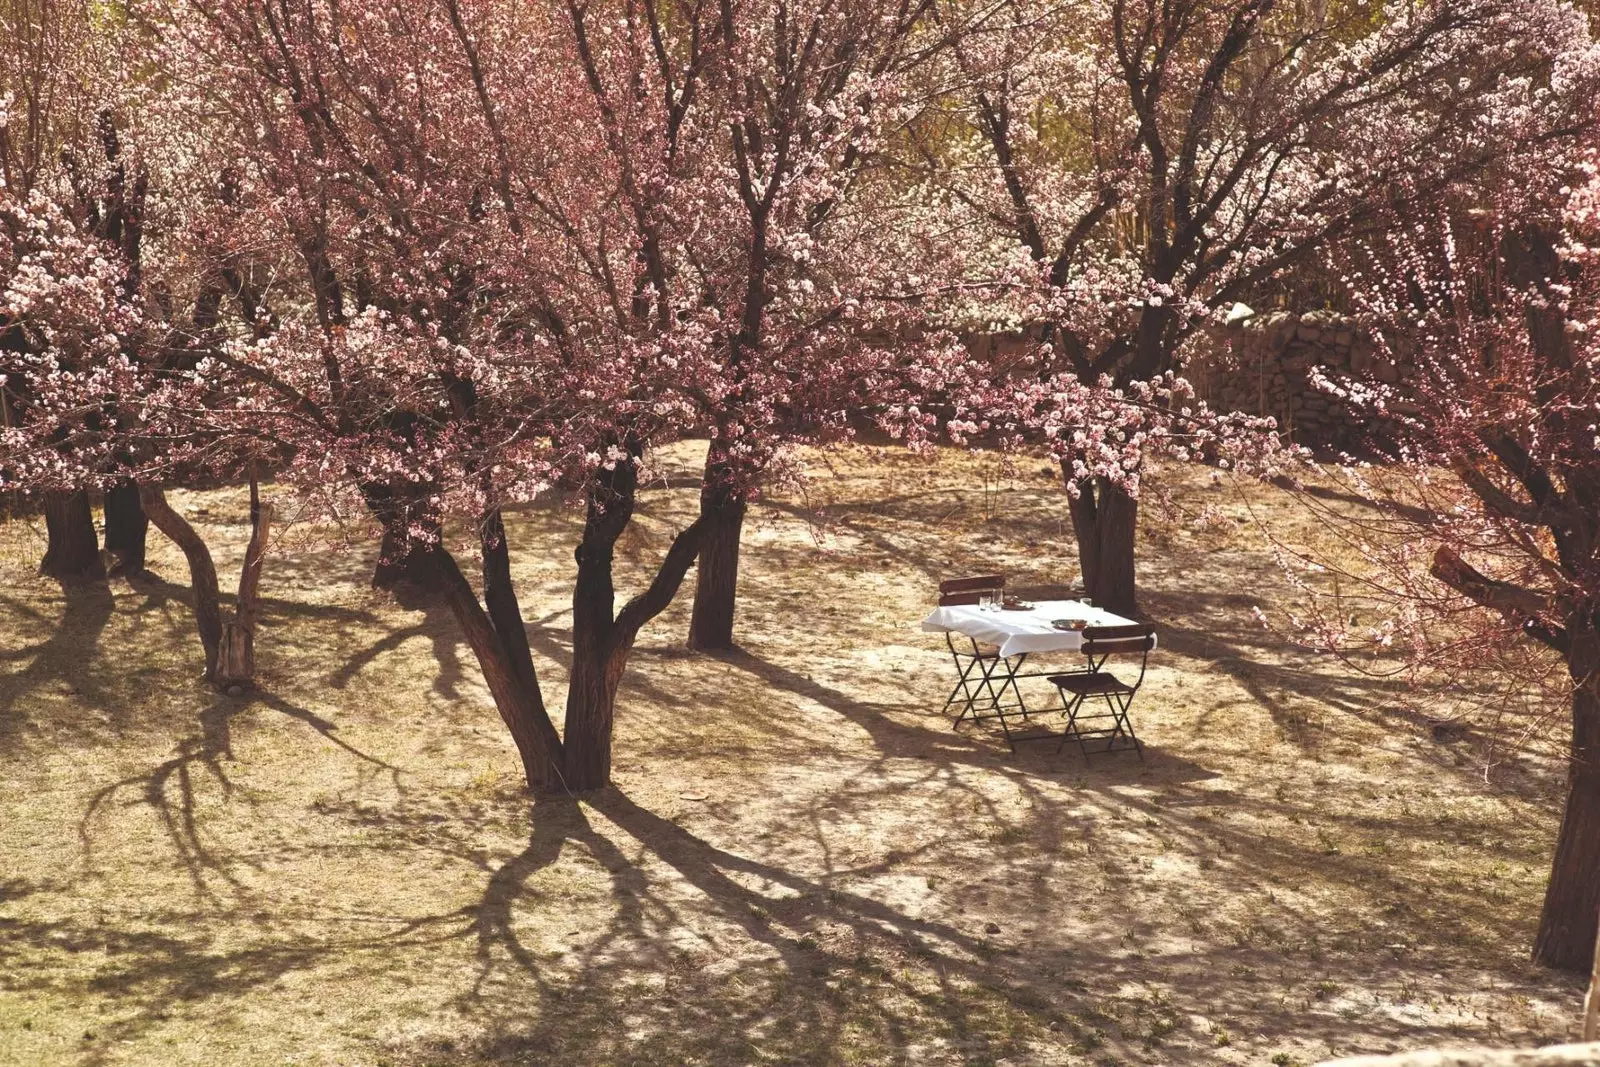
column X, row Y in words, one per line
column 800, row 862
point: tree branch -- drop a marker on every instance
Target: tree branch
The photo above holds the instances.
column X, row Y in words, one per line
column 1524, row 607
column 654, row 600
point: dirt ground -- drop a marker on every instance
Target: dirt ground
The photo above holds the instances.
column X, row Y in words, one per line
column 800, row 861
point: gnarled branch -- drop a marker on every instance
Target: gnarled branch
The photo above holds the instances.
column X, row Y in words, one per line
column 1525, row 607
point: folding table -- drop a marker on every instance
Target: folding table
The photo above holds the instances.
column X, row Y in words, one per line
column 1019, row 634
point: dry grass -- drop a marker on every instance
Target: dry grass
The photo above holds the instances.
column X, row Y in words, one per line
column 342, row 868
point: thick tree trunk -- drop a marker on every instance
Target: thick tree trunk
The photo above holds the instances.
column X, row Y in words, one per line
column 591, row 713
column 717, row 572
column 236, row 659
column 72, row 550
column 1105, row 519
column 202, row 571
column 602, row 641
column 403, row 556
column 1571, row 918
column 126, row 527
column 596, row 663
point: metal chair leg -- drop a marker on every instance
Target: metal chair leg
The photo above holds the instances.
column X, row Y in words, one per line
column 1124, row 725
column 965, row 683
column 982, row 683
column 1071, row 708
column 1010, row 681
column 963, row 687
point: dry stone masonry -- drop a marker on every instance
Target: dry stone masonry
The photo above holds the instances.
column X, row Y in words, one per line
column 1263, row 364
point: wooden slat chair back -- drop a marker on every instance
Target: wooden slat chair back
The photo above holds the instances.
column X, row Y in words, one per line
column 1103, row 642
column 955, row 591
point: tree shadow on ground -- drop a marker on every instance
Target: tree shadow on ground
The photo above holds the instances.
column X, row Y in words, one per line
column 170, row 788
column 437, row 625
column 1218, row 632
column 708, row 954
column 745, row 951
column 73, row 641
column 155, row 969
column 702, row 949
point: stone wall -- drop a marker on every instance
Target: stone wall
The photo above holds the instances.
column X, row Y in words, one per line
column 1262, row 364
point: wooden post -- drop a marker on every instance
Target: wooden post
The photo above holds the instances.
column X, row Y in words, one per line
column 236, row 659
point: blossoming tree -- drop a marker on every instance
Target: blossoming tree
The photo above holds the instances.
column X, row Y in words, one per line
column 64, row 193
column 1135, row 168
column 818, row 310
column 506, row 250
column 1488, row 539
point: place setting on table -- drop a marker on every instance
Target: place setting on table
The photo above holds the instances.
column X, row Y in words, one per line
column 991, row 636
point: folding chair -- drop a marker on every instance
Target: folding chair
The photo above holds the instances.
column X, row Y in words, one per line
column 977, row 666
column 1100, row 643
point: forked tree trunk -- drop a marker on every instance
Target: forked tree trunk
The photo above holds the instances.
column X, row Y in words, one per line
column 72, row 550
column 410, row 530
column 1569, row 924
column 236, row 658
column 601, row 641
column 716, row 583
column 1105, row 519
column 202, row 571
column 500, row 645
column 581, row 759
column 126, row 527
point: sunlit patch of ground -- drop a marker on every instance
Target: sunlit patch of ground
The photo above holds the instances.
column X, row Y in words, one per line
column 343, row 869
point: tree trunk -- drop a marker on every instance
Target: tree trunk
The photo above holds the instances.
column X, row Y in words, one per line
column 1105, row 518
column 404, row 554
column 126, row 526
column 591, row 713
column 236, row 659
column 72, row 550
column 512, row 684
column 500, row 599
column 403, row 558
column 596, row 670
column 1570, row 921
column 717, row 572
column 202, row 572
column 601, row 641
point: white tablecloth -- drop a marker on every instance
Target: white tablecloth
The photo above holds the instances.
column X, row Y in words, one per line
column 1022, row 631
